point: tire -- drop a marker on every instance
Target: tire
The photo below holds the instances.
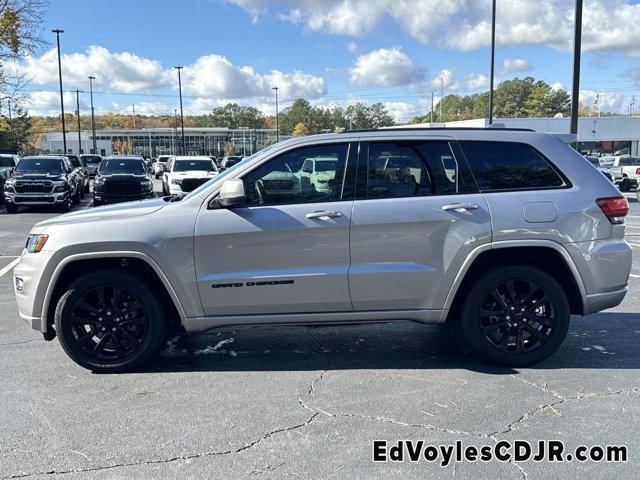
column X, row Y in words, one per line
column 96, row 203
column 625, row 185
column 65, row 207
column 11, row 208
column 76, row 196
column 508, row 337
column 117, row 342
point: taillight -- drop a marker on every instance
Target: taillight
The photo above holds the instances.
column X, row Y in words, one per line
column 614, row 208
column 638, row 171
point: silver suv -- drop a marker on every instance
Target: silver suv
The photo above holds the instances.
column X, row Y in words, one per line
column 505, row 232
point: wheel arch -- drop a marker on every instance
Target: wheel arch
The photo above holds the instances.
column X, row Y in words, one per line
column 561, row 266
column 83, row 262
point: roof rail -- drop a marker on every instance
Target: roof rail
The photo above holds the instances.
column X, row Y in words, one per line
column 427, row 129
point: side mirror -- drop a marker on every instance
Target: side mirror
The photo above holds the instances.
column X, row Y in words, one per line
column 231, row 193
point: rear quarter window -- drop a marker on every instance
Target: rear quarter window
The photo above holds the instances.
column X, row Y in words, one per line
column 510, row 166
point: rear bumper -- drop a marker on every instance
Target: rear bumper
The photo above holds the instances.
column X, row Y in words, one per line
column 601, row 301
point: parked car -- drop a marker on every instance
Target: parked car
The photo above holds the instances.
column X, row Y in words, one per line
column 611, row 173
column 230, row 161
column 91, row 163
column 81, row 172
column 122, row 179
column 43, row 180
column 184, row 174
column 160, row 166
column 628, row 168
column 8, row 163
column 504, row 232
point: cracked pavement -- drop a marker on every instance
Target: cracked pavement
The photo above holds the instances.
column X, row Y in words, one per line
column 280, row 402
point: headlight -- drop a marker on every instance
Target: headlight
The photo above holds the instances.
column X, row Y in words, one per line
column 146, row 184
column 9, row 185
column 176, row 181
column 98, row 182
column 36, row 242
column 60, row 187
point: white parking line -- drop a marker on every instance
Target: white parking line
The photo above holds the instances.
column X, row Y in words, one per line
column 9, row 267
column 633, row 275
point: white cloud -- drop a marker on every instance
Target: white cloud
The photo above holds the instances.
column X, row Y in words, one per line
column 352, row 47
column 511, row 65
column 446, row 79
column 385, row 67
column 124, row 71
column 612, row 102
column 465, row 24
column 43, row 102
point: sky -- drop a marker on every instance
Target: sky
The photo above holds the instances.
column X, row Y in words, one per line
column 331, row 52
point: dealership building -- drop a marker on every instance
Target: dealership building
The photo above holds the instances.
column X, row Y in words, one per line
column 596, row 135
column 152, row 142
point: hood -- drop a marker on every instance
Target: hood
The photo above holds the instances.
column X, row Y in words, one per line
column 194, row 174
column 118, row 211
column 37, row 176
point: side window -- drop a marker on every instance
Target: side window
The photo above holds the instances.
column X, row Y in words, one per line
column 509, row 166
column 284, row 181
column 411, row 169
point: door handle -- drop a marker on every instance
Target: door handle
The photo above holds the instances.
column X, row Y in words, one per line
column 323, row 215
column 460, row 207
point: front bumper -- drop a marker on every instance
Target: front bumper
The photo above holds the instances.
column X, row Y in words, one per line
column 30, row 270
column 102, row 197
column 35, row 198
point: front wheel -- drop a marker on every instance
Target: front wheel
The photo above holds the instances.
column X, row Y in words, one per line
column 11, row 208
column 516, row 315
column 109, row 321
column 625, row 185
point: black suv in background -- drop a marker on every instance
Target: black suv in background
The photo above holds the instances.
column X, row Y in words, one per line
column 43, row 180
column 91, row 163
column 121, row 179
column 83, row 175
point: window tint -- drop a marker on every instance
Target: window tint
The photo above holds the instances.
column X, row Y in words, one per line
column 411, row 169
column 629, row 161
column 284, row 181
column 509, row 166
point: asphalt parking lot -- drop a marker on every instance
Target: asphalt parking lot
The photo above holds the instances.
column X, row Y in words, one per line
column 274, row 402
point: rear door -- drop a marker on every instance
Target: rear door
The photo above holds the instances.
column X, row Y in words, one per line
column 287, row 249
column 416, row 217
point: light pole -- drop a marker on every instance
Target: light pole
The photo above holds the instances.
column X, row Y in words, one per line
column 277, row 129
column 577, row 45
column 93, row 118
column 493, row 59
column 57, row 31
column 78, row 117
column 175, row 130
column 184, row 150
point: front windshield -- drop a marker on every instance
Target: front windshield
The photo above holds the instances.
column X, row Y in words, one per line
column 186, row 165
column 91, row 158
column 40, row 165
column 6, row 162
column 230, row 171
column 135, row 167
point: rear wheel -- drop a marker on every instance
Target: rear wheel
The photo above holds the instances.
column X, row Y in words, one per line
column 516, row 315
column 109, row 321
column 625, row 185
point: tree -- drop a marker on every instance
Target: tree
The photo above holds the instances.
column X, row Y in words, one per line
column 15, row 130
column 300, row 130
column 20, row 34
column 297, row 113
column 362, row 116
column 229, row 149
column 233, row 115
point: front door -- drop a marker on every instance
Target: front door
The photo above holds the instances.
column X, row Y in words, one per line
column 287, row 249
column 416, row 218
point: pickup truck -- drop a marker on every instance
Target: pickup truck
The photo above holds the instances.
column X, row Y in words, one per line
column 629, row 168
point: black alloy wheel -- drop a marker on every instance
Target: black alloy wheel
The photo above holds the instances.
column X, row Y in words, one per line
column 109, row 321
column 515, row 315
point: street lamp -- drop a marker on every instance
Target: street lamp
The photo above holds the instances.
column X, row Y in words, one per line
column 493, row 59
column 184, row 150
column 57, row 31
column 78, row 118
column 93, row 118
column 577, row 45
column 277, row 129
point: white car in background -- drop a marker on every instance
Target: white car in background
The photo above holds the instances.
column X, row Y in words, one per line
column 319, row 172
column 160, row 165
column 183, row 174
column 627, row 169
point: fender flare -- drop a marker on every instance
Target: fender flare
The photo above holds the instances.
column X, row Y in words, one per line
column 514, row 244
column 108, row 254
